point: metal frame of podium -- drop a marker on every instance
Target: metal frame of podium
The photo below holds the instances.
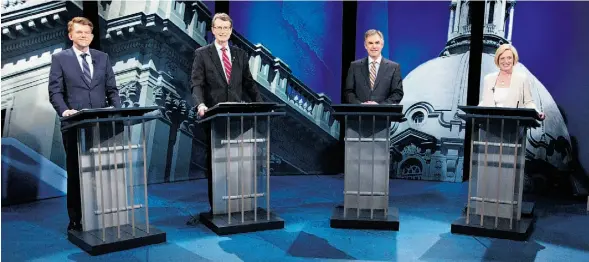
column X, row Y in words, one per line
column 240, row 152
column 495, row 206
column 367, row 165
column 113, row 180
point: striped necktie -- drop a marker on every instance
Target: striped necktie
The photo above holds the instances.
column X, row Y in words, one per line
column 226, row 63
column 86, row 68
column 372, row 74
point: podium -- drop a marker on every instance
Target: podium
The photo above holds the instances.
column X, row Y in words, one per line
column 240, row 145
column 367, row 162
column 496, row 178
column 113, row 179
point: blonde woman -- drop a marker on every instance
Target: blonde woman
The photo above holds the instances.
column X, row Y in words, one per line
column 507, row 88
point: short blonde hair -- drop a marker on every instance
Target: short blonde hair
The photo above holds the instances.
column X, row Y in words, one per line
column 222, row 17
column 79, row 20
column 372, row 32
column 504, row 47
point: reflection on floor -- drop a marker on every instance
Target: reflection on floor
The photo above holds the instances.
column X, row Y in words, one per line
column 36, row 231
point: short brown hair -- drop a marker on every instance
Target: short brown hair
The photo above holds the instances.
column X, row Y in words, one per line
column 504, row 47
column 222, row 17
column 372, row 32
column 79, row 20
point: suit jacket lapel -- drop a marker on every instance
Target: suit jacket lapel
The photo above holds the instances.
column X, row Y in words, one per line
column 217, row 62
column 365, row 72
column 234, row 65
column 74, row 61
column 380, row 73
column 95, row 61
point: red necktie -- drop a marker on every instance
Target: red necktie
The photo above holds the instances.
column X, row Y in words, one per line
column 226, row 64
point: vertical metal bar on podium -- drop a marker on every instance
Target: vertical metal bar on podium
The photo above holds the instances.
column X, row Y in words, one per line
column 255, row 154
column 268, row 167
column 125, row 164
column 240, row 170
column 388, row 166
column 80, row 143
column 485, row 172
column 373, row 164
column 522, row 160
column 470, row 178
column 359, row 165
column 97, row 134
column 346, row 163
column 116, row 158
column 110, row 208
column 499, row 173
column 145, row 175
column 131, row 179
column 228, row 174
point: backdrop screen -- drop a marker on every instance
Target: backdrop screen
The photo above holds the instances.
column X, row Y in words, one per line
column 305, row 35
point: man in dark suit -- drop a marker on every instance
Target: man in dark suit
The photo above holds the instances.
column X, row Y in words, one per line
column 220, row 73
column 374, row 79
column 79, row 78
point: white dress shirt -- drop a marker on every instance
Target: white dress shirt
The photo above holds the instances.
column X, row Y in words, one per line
column 88, row 59
column 218, row 47
column 378, row 60
column 501, row 95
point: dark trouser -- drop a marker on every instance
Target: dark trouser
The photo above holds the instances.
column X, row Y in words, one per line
column 74, row 204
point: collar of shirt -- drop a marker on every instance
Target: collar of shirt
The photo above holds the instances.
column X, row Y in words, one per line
column 378, row 60
column 218, row 47
column 79, row 53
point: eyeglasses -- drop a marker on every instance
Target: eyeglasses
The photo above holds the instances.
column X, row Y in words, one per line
column 224, row 28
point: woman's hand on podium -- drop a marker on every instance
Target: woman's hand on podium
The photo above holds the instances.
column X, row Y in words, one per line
column 541, row 115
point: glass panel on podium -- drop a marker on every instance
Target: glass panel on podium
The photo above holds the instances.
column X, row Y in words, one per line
column 240, row 145
column 367, row 155
column 366, row 167
column 495, row 204
column 239, row 166
column 113, row 180
column 497, row 172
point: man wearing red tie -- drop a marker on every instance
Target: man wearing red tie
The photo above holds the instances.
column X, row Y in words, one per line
column 221, row 73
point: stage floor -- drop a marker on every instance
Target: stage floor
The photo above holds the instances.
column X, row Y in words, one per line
column 37, row 231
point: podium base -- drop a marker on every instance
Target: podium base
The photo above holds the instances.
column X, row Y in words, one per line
column 219, row 225
column 520, row 232
column 91, row 241
column 390, row 222
column 527, row 209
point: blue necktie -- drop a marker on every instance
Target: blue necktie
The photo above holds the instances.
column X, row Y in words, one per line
column 86, row 67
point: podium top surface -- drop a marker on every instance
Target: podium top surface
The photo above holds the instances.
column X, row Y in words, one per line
column 393, row 112
column 526, row 116
column 351, row 109
column 108, row 113
column 85, row 117
column 499, row 111
column 241, row 108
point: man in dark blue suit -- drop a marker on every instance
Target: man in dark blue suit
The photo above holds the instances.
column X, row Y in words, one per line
column 79, row 78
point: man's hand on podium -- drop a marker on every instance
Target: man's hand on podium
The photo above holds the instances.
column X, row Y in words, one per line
column 370, row 103
column 202, row 109
column 69, row 112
